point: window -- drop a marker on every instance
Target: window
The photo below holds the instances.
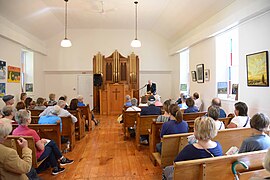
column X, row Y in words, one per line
column 27, row 68
column 227, row 65
column 184, row 72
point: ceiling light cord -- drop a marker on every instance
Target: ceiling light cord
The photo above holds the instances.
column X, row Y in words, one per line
column 136, row 21
column 66, row 19
column 66, row 42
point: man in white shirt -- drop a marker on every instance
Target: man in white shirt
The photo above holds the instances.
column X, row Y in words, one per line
column 198, row 101
column 134, row 105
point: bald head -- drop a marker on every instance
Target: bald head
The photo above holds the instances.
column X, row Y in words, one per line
column 216, row 102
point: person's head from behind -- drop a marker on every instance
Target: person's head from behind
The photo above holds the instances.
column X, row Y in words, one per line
column 52, row 97
column 204, row 128
column 144, row 99
column 196, row 95
column 166, row 105
column 40, row 101
column 23, row 117
column 23, row 96
column 240, row 109
column 8, row 99
column 260, row 122
column 174, row 110
column 134, row 102
column 151, row 100
column 127, row 98
column 213, row 112
column 5, row 130
column 216, row 102
column 20, row 105
column 64, row 98
column 73, row 104
column 55, row 111
column 61, row 103
column 190, row 102
column 27, row 102
column 80, row 98
column 8, row 111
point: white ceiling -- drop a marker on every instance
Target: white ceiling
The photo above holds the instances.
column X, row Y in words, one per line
column 169, row 18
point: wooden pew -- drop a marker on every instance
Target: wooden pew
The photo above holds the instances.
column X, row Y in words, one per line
column 226, row 121
column 11, row 141
column 220, row 167
column 173, row 144
column 129, row 119
column 154, row 137
column 80, row 124
column 35, row 112
column 193, row 116
column 87, row 115
column 143, row 123
column 68, row 130
column 47, row 131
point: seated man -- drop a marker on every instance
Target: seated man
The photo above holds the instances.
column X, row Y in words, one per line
column 198, row 101
column 8, row 99
column 128, row 102
column 217, row 102
column 8, row 113
column 134, row 105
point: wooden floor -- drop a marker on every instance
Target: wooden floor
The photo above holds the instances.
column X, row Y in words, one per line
column 103, row 154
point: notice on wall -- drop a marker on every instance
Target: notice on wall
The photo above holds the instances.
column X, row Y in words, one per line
column 14, row 74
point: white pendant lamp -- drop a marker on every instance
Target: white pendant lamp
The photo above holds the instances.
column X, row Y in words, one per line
column 66, row 42
column 136, row 43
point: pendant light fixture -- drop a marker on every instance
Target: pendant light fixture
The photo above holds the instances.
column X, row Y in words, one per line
column 66, row 42
column 136, row 42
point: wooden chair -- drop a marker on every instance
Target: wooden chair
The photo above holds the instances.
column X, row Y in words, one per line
column 87, row 115
column 80, row 124
column 154, row 137
column 143, row 123
column 11, row 142
column 129, row 119
column 173, row 144
column 48, row 131
column 68, row 130
column 220, row 167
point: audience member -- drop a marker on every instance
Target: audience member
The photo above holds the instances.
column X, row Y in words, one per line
column 259, row 140
column 158, row 103
column 40, row 104
column 191, row 108
column 8, row 114
column 63, row 112
column 182, row 102
column 44, row 148
column 128, row 101
column 134, row 105
column 176, row 124
column 8, row 99
column 198, row 101
column 217, row 102
column 241, row 118
column 73, row 104
column 23, row 96
column 11, row 165
column 20, row 105
column 213, row 112
column 52, row 117
column 51, row 101
column 64, row 98
column 143, row 102
column 166, row 116
column 28, row 102
column 204, row 131
column 80, row 101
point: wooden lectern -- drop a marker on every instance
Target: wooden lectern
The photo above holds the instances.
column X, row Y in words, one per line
column 120, row 78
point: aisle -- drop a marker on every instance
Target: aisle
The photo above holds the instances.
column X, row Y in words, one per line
column 103, row 154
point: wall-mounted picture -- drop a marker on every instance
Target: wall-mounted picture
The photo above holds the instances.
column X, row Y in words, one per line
column 2, row 89
column 14, row 74
column 222, row 87
column 3, row 70
column 200, row 73
column 235, row 89
column 28, row 87
column 207, row 74
column 193, row 75
column 183, row 87
column 257, row 69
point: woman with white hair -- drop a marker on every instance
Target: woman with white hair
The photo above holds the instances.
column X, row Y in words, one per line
column 44, row 148
column 11, row 165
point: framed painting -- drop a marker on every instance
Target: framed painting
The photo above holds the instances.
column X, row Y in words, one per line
column 193, row 75
column 200, row 73
column 257, row 69
column 207, row 75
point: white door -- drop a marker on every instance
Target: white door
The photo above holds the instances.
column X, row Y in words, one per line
column 85, row 88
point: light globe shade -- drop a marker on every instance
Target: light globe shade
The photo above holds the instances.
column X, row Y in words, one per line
column 136, row 43
column 66, row 43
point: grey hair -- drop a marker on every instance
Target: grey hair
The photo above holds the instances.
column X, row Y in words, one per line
column 22, row 116
column 128, row 97
column 8, row 110
column 56, row 110
column 61, row 103
column 5, row 129
column 134, row 101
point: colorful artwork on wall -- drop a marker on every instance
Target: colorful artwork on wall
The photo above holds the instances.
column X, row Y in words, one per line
column 14, row 74
column 2, row 89
column 3, row 70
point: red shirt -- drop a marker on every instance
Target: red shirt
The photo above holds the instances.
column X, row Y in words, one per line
column 26, row 131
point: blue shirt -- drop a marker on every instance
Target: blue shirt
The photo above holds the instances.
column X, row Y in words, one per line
column 81, row 104
column 192, row 109
column 128, row 104
column 151, row 110
column 222, row 113
column 190, row 152
column 50, row 120
column 172, row 127
column 255, row 143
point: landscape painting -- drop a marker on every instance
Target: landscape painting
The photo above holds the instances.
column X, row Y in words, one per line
column 222, row 87
column 257, row 69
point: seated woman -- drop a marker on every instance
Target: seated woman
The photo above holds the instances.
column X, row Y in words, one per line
column 259, row 140
column 213, row 112
column 128, row 101
column 191, row 106
column 11, row 165
column 20, row 105
column 158, row 101
column 204, row 131
column 176, row 124
column 241, row 118
column 166, row 116
column 143, row 102
column 40, row 104
column 44, row 148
